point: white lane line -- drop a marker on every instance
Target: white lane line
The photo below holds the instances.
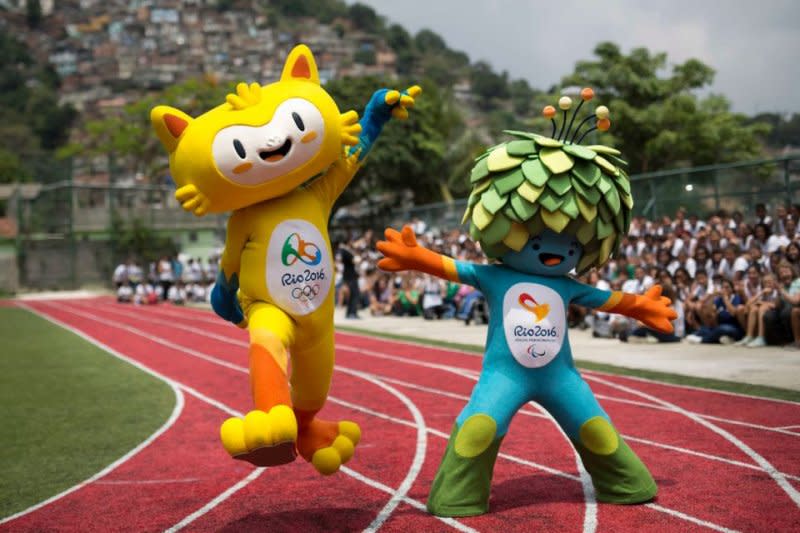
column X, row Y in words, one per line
column 349, row 471
column 419, row 454
column 203, row 316
column 413, row 503
column 689, row 518
column 173, row 417
column 473, row 375
column 454, row 370
column 399, row 496
column 789, row 427
column 147, row 481
column 220, row 498
column 590, row 516
column 775, row 474
column 530, row 413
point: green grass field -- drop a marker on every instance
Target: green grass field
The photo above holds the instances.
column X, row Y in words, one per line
column 68, row 409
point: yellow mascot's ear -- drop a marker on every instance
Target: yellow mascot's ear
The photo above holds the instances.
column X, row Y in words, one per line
column 300, row 65
column 169, row 124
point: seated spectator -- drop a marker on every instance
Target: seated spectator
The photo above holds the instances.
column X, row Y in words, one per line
column 120, row 276
column 124, row 293
column 644, row 334
column 381, row 296
column 727, row 329
column 640, row 282
column 433, row 292
column 792, row 254
column 777, row 322
column 756, row 307
column 407, row 298
column 177, row 293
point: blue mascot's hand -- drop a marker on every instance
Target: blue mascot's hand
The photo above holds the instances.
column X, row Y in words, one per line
column 383, row 105
column 224, row 300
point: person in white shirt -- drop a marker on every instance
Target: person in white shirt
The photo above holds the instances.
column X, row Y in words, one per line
column 120, row 276
column 732, row 263
column 639, row 283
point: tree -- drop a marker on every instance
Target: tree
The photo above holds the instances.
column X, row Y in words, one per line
column 365, row 18
column 128, row 135
column 32, row 122
column 658, row 121
column 487, row 85
column 417, row 154
column 33, row 13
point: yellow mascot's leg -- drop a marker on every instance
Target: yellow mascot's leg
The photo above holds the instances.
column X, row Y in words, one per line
column 325, row 444
column 267, row 435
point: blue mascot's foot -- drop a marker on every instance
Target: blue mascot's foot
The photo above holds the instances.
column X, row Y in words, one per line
column 461, row 486
column 618, row 475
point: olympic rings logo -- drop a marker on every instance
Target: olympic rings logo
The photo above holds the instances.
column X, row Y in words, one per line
column 306, row 292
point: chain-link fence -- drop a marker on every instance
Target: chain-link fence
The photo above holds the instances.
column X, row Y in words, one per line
column 700, row 190
column 70, row 235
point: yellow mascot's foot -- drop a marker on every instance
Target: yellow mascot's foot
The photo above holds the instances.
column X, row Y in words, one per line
column 328, row 445
column 263, row 439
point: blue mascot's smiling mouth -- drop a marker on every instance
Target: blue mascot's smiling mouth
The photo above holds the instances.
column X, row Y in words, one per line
column 550, row 259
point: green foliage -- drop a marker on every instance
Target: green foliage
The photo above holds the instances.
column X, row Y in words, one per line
column 365, row 56
column 128, row 134
column 32, row 123
column 325, row 10
column 658, row 121
column 11, row 168
column 487, row 86
column 136, row 239
column 365, row 18
column 414, row 154
column 785, row 130
column 33, row 13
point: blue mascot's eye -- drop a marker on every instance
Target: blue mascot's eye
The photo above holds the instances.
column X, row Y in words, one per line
column 536, row 246
column 298, row 121
column 237, row 145
column 572, row 252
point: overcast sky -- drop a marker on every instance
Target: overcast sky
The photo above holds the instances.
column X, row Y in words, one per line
column 754, row 45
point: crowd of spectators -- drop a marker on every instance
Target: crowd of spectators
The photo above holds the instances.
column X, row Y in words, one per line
column 733, row 279
column 178, row 279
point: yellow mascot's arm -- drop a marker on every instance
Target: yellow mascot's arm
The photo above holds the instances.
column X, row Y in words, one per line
column 224, row 299
column 335, row 180
column 235, row 239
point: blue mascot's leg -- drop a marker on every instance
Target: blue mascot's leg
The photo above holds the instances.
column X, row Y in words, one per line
column 461, row 486
column 618, row 475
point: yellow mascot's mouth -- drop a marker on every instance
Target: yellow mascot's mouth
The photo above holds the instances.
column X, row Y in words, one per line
column 273, row 156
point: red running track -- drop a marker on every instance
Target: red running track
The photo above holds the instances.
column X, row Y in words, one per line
column 722, row 461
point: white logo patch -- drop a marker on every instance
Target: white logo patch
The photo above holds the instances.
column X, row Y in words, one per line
column 299, row 269
column 534, row 322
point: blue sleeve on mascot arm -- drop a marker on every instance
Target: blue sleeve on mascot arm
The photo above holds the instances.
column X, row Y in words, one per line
column 224, row 300
column 376, row 114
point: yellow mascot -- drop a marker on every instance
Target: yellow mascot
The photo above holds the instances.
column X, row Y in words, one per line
column 278, row 156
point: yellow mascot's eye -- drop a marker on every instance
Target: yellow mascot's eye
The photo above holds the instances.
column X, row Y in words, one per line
column 240, row 151
column 299, row 121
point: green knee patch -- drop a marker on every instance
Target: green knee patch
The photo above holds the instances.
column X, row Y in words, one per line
column 475, row 436
column 599, row 436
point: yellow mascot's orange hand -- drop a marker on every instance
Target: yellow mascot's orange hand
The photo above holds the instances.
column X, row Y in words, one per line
column 652, row 309
column 403, row 253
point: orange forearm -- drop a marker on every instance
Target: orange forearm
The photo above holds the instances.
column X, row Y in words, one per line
column 435, row 264
column 619, row 302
